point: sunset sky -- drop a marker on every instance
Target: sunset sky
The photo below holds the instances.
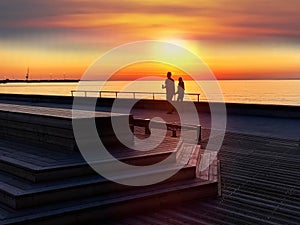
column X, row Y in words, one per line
column 57, row 39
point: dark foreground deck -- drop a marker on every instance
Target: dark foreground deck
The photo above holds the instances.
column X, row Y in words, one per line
column 260, row 185
column 46, row 181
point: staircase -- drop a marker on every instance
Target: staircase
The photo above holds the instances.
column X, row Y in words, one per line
column 45, row 181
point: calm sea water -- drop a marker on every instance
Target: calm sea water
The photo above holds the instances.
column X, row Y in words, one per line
column 278, row 92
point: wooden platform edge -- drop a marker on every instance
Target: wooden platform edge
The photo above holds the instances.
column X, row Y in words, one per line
column 219, row 179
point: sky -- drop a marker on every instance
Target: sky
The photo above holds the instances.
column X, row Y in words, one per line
column 248, row 39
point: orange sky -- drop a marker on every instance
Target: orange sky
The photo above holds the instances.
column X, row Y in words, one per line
column 237, row 39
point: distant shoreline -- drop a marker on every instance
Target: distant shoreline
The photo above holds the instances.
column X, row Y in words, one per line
column 77, row 80
column 38, row 81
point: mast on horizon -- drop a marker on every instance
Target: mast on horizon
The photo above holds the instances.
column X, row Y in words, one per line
column 27, row 74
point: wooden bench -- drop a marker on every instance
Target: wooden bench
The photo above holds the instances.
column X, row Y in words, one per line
column 174, row 127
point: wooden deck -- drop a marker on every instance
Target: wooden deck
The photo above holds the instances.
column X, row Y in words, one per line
column 260, row 185
column 51, row 112
column 52, row 128
column 41, row 185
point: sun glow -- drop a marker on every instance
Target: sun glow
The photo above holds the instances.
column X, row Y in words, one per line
column 189, row 45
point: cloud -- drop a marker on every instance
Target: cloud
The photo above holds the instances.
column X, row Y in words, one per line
column 20, row 10
column 17, row 10
column 219, row 19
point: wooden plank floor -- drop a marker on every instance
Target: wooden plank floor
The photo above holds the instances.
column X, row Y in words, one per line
column 51, row 112
column 260, row 185
column 39, row 158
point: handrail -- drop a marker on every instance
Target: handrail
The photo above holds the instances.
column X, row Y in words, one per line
column 116, row 93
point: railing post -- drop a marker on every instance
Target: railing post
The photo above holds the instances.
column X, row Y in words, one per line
column 133, row 95
column 72, row 93
column 100, row 96
column 116, row 94
column 153, row 95
column 198, row 97
column 85, row 93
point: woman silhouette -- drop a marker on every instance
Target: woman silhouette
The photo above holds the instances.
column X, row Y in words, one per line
column 180, row 90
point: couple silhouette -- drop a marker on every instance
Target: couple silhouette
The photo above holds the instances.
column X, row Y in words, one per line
column 170, row 91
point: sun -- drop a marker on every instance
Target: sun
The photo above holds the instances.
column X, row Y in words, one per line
column 187, row 44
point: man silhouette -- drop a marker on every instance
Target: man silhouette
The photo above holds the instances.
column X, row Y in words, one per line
column 170, row 91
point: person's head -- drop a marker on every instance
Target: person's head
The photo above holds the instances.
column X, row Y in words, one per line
column 180, row 79
column 169, row 74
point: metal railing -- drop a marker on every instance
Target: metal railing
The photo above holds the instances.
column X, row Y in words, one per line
column 116, row 94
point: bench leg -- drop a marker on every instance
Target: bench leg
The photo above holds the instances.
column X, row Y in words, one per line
column 147, row 126
column 147, row 130
column 199, row 134
column 174, row 133
column 131, row 126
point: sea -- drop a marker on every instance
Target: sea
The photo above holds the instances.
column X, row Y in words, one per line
column 272, row 92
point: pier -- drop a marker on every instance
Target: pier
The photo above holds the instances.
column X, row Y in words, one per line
column 45, row 180
column 253, row 179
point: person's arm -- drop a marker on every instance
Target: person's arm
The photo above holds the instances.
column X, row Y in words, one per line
column 164, row 86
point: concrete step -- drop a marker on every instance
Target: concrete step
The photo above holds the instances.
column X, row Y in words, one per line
column 19, row 193
column 111, row 205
